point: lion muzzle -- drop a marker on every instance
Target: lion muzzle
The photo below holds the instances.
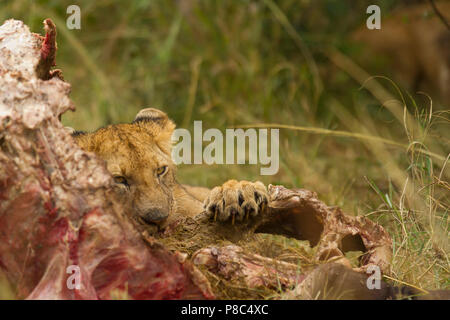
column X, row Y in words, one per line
column 155, row 215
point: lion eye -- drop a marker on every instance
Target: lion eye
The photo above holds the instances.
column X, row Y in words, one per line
column 121, row 180
column 161, row 170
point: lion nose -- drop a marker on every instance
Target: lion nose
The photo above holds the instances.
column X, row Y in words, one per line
column 155, row 215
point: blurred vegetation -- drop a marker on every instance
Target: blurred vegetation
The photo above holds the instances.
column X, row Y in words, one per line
column 233, row 63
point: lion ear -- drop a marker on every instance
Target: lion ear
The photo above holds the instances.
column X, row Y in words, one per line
column 154, row 120
column 157, row 123
column 151, row 115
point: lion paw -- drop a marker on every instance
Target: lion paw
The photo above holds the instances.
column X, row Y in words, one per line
column 236, row 200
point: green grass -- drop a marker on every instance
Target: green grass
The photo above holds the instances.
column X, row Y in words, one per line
column 246, row 63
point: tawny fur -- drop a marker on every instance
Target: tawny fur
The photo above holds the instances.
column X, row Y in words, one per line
column 138, row 155
column 416, row 44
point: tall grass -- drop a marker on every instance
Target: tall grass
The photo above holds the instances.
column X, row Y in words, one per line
column 361, row 142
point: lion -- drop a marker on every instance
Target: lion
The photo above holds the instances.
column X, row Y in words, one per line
column 138, row 156
column 415, row 43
